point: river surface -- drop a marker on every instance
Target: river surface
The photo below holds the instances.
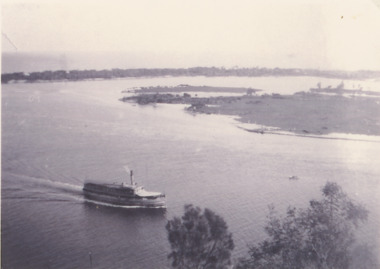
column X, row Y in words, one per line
column 57, row 135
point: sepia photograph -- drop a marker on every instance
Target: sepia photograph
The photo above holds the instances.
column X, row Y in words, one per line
column 190, row 134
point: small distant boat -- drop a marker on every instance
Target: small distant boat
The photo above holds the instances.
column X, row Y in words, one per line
column 340, row 89
column 124, row 194
column 293, row 178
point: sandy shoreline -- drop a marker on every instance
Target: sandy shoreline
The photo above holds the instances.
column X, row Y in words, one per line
column 303, row 113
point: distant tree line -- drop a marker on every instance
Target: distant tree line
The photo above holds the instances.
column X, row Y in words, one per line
column 320, row 236
column 194, row 71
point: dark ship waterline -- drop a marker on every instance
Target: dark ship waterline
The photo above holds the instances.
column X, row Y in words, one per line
column 130, row 195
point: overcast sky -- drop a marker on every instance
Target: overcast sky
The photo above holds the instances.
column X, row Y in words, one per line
column 331, row 34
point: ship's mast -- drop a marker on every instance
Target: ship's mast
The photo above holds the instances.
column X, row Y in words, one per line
column 131, row 175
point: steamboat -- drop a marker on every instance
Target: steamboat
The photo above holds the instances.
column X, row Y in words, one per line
column 124, row 194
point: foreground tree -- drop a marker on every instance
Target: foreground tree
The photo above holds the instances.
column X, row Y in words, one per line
column 199, row 240
column 321, row 236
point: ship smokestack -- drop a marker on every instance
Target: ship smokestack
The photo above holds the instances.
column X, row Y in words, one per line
column 131, row 175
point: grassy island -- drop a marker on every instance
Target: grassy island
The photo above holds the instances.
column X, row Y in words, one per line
column 300, row 113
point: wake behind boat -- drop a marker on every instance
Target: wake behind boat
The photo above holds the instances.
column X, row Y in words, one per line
column 124, row 194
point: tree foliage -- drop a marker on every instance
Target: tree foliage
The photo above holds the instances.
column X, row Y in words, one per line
column 320, row 236
column 199, row 240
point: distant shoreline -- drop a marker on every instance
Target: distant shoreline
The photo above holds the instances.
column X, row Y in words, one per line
column 116, row 73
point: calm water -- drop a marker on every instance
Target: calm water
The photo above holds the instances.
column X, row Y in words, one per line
column 57, row 135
